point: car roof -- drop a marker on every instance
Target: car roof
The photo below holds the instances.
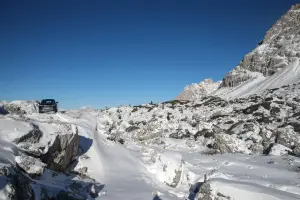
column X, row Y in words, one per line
column 48, row 100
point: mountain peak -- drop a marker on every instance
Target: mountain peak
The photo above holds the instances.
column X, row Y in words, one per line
column 280, row 46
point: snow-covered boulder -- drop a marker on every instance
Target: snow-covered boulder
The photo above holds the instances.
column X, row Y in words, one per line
column 32, row 166
column 287, row 136
column 296, row 150
column 62, row 151
column 279, row 150
column 55, row 144
column 230, row 144
column 20, row 107
column 168, row 168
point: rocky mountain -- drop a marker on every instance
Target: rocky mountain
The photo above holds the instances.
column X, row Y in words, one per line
column 196, row 91
column 279, row 49
column 280, row 46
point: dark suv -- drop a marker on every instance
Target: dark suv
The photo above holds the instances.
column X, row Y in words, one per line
column 48, row 105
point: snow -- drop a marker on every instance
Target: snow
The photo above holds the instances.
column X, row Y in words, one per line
column 143, row 168
column 248, row 191
column 279, row 150
column 258, row 83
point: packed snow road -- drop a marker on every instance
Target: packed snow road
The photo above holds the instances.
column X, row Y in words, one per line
column 119, row 169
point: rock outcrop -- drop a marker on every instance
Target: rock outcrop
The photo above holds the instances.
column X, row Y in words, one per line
column 196, row 91
column 280, row 46
column 57, row 151
column 62, row 152
column 275, row 62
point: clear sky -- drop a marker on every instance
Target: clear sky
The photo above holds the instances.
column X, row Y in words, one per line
column 107, row 53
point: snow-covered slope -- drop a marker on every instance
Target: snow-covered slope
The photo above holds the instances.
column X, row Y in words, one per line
column 258, row 83
column 278, row 49
column 196, row 91
column 264, row 67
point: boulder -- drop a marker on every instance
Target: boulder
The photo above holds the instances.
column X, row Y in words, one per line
column 180, row 134
column 21, row 107
column 287, row 136
column 169, row 168
column 296, row 150
column 62, row 151
column 225, row 143
column 205, row 192
column 132, row 128
column 279, row 150
column 207, row 133
column 32, row 166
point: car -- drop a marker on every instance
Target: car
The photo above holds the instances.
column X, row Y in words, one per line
column 48, row 105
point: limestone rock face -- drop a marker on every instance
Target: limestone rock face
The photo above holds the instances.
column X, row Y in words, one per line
column 196, row 91
column 272, row 64
column 280, row 46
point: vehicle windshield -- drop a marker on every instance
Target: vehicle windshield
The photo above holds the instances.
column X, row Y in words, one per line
column 48, row 102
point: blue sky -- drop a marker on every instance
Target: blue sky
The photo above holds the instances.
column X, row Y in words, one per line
column 107, row 53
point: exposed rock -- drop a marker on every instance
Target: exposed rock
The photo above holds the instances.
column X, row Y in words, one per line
column 132, row 128
column 62, row 151
column 204, row 132
column 205, row 192
column 287, row 136
column 251, row 109
column 31, row 165
column 20, row 107
column 229, row 144
column 180, row 134
column 33, row 136
column 13, row 109
column 277, row 50
column 296, row 150
column 279, row 150
column 196, row 91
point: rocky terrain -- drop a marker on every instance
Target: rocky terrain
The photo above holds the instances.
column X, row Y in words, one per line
column 238, row 139
column 279, row 49
column 196, row 91
column 37, row 157
column 185, row 149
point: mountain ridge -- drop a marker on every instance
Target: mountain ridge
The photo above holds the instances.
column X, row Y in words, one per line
column 279, row 48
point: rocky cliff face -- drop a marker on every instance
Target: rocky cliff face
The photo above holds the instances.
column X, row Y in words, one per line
column 279, row 49
column 195, row 91
column 280, row 46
